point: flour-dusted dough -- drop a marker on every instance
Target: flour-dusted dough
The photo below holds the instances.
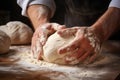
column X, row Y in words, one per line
column 5, row 42
column 53, row 43
column 18, row 32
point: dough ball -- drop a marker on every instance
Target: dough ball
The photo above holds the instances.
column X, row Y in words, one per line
column 53, row 43
column 4, row 42
column 18, row 32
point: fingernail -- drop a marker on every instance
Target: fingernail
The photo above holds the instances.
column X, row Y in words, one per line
column 68, row 49
column 60, row 51
column 59, row 32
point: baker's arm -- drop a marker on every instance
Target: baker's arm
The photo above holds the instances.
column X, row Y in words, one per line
column 35, row 9
column 38, row 14
column 108, row 23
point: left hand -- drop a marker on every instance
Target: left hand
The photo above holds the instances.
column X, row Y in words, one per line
column 40, row 37
column 86, row 46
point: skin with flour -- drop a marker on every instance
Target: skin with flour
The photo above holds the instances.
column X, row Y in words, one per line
column 53, row 43
column 102, row 29
column 56, row 41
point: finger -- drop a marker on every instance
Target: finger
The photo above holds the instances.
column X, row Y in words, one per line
column 43, row 35
column 33, row 51
column 67, row 32
column 74, row 58
column 34, row 39
column 33, row 44
column 56, row 26
column 68, row 48
column 37, row 50
column 43, row 39
column 85, row 56
column 81, row 52
column 47, row 29
column 62, row 32
column 78, row 53
column 46, row 26
column 76, row 61
column 36, row 55
column 61, row 27
column 92, row 58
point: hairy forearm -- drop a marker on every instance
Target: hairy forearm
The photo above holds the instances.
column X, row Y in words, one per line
column 108, row 23
column 38, row 14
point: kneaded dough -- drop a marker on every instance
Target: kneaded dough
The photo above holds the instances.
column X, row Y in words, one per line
column 53, row 43
column 18, row 32
column 5, row 42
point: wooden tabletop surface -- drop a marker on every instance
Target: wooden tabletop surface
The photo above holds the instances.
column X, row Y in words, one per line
column 15, row 67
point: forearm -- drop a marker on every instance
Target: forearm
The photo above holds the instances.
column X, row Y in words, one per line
column 108, row 23
column 38, row 14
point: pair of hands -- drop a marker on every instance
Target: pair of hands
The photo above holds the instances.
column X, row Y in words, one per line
column 86, row 44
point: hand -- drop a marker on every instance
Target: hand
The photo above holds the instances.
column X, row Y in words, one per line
column 85, row 45
column 40, row 37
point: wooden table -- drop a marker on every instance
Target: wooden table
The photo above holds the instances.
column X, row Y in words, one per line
column 107, row 67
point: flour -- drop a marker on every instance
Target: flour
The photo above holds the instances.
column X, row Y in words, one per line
column 36, row 69
column 61, row 71
column 27, row 58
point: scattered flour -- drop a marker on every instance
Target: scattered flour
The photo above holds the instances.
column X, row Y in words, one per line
column 58, row 72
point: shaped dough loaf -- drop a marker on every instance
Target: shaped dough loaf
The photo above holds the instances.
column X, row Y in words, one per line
column 53, row 43
column 18, row 32
column 4, row 42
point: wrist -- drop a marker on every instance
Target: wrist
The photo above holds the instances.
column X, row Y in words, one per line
column 98, row 31
column 94, row 39
column 107, row 24
column 38, row 14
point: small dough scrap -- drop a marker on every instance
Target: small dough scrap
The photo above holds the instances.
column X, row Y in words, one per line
column 18, row 32
column 53, row 43
column 5, row 42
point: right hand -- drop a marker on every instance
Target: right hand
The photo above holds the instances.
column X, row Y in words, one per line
column 40, row 37
column 85, row 47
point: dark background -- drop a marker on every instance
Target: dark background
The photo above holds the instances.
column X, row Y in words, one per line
column 10, row 11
